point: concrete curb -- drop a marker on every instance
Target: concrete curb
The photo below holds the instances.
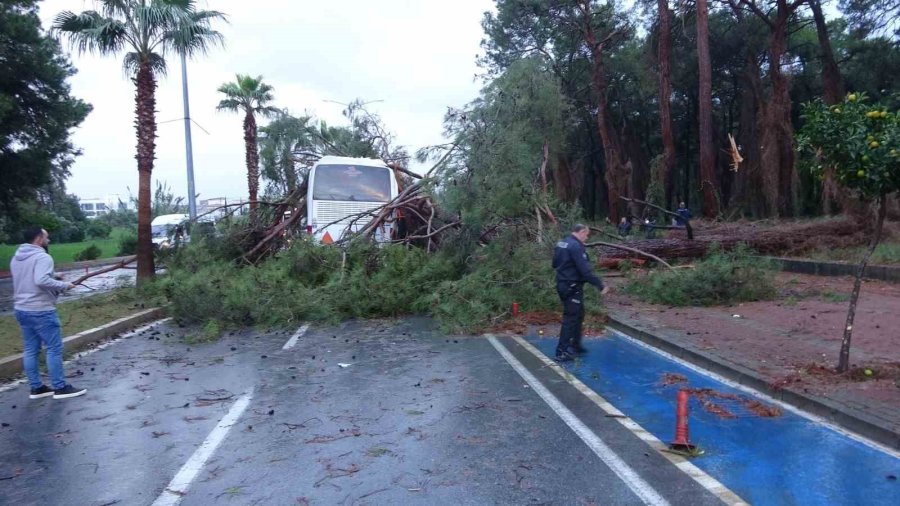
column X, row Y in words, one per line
column 888, row 273
column 865, row 425
column 12, row 365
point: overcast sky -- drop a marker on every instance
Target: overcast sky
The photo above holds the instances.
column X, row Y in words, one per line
column 417, row 57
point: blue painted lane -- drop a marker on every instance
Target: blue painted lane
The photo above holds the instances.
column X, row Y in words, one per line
column 783, row 460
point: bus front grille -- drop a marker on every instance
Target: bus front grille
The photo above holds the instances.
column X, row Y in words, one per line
column 328, row 211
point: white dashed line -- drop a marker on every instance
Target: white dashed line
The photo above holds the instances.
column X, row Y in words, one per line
column 182, row 481
column 293, row 340
column 706, row 481
column 629, row 476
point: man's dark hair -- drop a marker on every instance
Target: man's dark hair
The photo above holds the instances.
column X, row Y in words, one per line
column 578, row 228
column 31, row 233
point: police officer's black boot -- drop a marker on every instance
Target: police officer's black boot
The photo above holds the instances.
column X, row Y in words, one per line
column 563, row 356
column 576, row 348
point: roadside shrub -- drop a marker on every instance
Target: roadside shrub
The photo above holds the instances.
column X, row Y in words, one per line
column 97, row 229
column 70, row 233
column 92, row 252
column 720, row 278
column 127, row 245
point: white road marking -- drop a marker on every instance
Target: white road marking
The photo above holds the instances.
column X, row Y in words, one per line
column 297, row 335
column 748, row 390
column 182, row 481
column 629, row 476
column 15, row 383
column 706, row 481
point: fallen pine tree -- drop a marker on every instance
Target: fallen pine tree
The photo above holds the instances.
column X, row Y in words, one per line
column 784, row 239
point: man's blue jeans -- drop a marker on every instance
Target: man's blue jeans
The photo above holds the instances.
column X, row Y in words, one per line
column 42, row 327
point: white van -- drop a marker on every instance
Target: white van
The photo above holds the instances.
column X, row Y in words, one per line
column 162, row 229
column 339, row 189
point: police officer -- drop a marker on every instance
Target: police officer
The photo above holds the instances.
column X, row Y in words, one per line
column 573, row 270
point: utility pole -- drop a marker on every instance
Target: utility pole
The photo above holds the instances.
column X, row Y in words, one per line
column 189, row 148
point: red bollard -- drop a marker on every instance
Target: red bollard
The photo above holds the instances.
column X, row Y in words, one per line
column 515, row 309
column 682, row 441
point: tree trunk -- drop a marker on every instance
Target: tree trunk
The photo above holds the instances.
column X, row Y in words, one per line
column 748, row 188
column 667, row 170
column 707, row 146
column 786, row 240
column 290, row 175
column 778, row 139
column 252, row 158
column 145, row 109
column 832, row 82
column 833, row 93
column 565, row 184
column 615, row 173
column 844, row 360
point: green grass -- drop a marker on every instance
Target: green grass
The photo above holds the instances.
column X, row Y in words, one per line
column 887, row 253
column 76, row 316
column 65, row 253
column 831, row 296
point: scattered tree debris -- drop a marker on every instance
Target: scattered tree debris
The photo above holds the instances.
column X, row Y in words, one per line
column 672, row 379
column 718, row 403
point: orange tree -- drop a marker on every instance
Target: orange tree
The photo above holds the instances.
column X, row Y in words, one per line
column 860, row 143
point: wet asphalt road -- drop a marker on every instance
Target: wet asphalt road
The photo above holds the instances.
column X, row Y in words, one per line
column 417, row 418
column 97, row 284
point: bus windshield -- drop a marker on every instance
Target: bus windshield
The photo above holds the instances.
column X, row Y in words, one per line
column 161, row 230
column 353, row 183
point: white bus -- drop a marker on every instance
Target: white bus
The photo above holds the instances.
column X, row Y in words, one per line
column 339, row 189
column 163, row 230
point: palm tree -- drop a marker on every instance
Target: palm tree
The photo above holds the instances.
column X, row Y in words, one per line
column 252, row 96
column 147, row 30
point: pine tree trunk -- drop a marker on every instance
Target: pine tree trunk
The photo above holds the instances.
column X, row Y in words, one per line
column 776, row 140
column 667, row 172
column 145, row 110
column 833, row 93
column 832, row 82
column 748, row 183
column 707, row 145
column 844, row 359
column 615, row 173
column 252, row 159
column 781, row 130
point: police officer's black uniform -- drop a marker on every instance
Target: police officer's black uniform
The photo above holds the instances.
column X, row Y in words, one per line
column 573, row 270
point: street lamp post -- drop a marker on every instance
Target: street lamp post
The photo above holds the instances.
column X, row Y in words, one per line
column 189, row 150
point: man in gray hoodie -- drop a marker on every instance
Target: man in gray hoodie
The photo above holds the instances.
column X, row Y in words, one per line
column 35, row 290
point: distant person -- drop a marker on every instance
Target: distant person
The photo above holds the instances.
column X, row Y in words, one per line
column 573, row 270
column 624, row 227
column 179, row 235
column 35, row 290
column 684, row 215
column 650, row 228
